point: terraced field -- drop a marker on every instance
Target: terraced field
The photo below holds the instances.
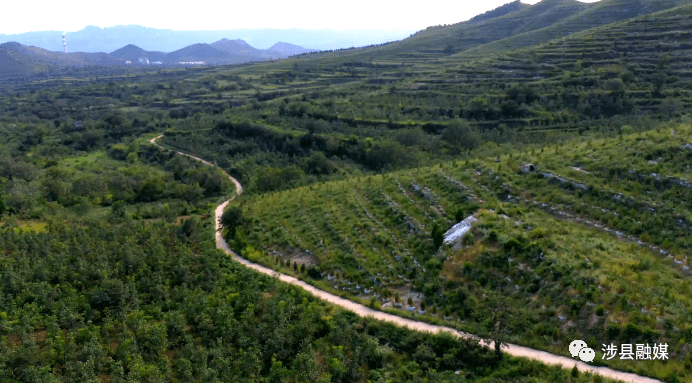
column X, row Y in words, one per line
column 598, row 14
column 580, row 248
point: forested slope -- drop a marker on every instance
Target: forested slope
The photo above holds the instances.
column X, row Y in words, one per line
column 131, row 302
column 599, row 14
column 355, row 166
column 583, row 247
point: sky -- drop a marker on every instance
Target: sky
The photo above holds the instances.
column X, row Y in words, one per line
column 74, row 15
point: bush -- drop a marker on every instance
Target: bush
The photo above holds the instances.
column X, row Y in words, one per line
column 314, row 273
column 232, row 219
column 437, row 236
column 461, row 136
column 613, row 331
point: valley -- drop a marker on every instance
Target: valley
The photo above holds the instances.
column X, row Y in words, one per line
column 556, row 136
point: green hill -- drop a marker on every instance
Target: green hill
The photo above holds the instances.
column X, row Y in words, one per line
column 621, row 72
column 17, row 60
column 60, row 59
column 529, row 26
column 501, row 11
column 440, row 41
column 598, row 14
column 584, row 247
column 134, row 53
column 15, row 64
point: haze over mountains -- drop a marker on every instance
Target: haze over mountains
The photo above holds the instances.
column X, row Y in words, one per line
column 17, row 60
column 511, row 26
column 224, row 51
column 95, row 39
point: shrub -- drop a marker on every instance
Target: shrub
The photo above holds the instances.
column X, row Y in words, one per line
column 314, row 273
column 437, row 236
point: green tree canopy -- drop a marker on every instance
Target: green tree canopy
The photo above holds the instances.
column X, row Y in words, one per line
column 461, row 136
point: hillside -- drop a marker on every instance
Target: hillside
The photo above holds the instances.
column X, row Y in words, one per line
column 583, row 248
column 133, row 53
column 109, row 268
column 601, row 13
column 163, row 305
column 289, row 49
column 206, row 53
column 532, row 25
column 14, row 64
column 622, row 73
column 18, row 61
column 21, row 61
column 564, row 165
column 46, row 57
column 96, row 39
column 240, row 47
column 502, row 10
column 440, row 41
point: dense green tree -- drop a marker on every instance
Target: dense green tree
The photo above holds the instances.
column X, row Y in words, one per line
column 437, row 235
column 616, row 87
column 410, row 137
column 659, row 80
column 232, row 219
column 461, row 136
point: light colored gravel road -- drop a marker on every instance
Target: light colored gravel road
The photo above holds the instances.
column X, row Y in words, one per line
column 511, row 349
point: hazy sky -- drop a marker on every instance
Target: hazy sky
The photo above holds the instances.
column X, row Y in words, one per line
column 73, row 15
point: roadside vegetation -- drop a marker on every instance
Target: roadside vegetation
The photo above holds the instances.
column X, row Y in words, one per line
column 562, row 252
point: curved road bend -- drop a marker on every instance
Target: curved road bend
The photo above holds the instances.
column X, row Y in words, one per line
column 363, row 311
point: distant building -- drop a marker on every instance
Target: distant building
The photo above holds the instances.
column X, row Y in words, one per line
column 191, row 62
column 79, row 124
column 128, row 62
column 157, row 62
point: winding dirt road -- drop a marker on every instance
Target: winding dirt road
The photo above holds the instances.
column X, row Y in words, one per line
column 363, row 311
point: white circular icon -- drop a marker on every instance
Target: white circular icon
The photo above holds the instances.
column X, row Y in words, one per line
column 575, row 346
column 587, row 355
column 579, row 348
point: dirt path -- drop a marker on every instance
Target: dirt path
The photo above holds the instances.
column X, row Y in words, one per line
column 511, row 349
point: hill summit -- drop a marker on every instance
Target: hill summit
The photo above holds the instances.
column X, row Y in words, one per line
column 242, row 48
column 289, row 49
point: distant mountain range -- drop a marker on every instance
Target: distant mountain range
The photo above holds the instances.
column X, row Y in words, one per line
column 95, row 39
column 224, row 51
column 511, row 26
column 17, row 60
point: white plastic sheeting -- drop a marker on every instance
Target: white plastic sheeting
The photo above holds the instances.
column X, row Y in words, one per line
column 458, row 230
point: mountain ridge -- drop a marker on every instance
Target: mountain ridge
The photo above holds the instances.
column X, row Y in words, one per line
column 441, row 41
column 289, row 49
column 95, row 39
column 599, row 14
column 241, row 47
column 17, row 59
